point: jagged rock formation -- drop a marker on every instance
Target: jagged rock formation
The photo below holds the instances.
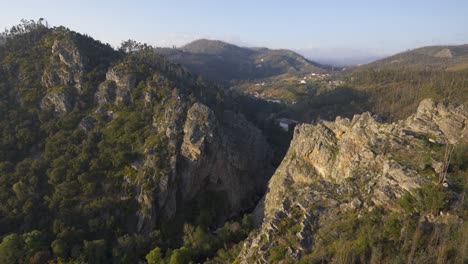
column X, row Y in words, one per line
column 65, row 74
column 65, row 67
column 225, row 157
column 344, row 165
column 443, row 120
column 187, row 149
column 57, row 101
column 117, row 87
column 205, row 154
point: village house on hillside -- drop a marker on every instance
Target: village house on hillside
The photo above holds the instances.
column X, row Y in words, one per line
column 287, row 124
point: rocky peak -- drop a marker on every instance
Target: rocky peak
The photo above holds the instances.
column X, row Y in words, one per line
column 347, row 164
column 444, row 121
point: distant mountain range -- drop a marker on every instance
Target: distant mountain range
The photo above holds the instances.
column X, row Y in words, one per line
column 340, row 56
column 223, row 62
column 433, row 57
column 435, row 71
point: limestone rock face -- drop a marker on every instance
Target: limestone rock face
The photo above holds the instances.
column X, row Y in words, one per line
column 227, row 157
column 199, row 131
column 117, row 87
column 442, row 120
column 59, row 102
column 161, row 202
column 349, row 165
column 207, row 152
column 63, row 76
column 65, row 67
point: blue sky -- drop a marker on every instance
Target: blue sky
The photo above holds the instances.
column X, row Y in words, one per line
column 359, row 27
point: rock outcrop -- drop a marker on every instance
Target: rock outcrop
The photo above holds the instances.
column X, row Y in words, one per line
column 344, row 165
column 57, row 101
column 205, row 155
column 63, row 76
column 65, row 66
column 198, row 151
column 117, row 87
column 227, row 157
column 444, row 121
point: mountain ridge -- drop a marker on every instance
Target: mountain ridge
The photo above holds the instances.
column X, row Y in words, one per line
column 223, row 62
column 114, row 151
column 441, row 57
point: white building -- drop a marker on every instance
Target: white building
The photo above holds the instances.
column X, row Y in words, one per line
column 287, row 124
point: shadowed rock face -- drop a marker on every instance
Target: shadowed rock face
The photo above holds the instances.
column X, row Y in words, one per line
column 207, row 151
column 224, row 157
column 330, row 162
column 117, row 87
column 65, row 67
column 230, row 157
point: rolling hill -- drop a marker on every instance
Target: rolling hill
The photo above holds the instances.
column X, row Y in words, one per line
column 392, row 87
column 432, row 57
column 226, row 63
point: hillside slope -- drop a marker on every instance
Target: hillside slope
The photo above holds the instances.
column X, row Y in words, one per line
column 395, row 85
column 392, row 88
column 223, row 62
column 431, row 57
column 106, row 155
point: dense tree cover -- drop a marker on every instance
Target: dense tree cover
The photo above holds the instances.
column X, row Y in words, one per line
column 396, row 93
column 392, row 94
column 68, row 195
column 199, row 244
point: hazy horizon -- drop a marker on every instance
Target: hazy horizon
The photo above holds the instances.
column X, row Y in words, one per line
column 331, row 31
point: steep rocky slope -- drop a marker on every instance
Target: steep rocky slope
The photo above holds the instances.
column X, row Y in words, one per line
column 114, row 150
column 204, row 154
column 354, row 170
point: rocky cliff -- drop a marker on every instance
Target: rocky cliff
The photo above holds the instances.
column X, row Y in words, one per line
column 208, row 153
column 116, row 150
column 350, row 168
column 223, row 156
